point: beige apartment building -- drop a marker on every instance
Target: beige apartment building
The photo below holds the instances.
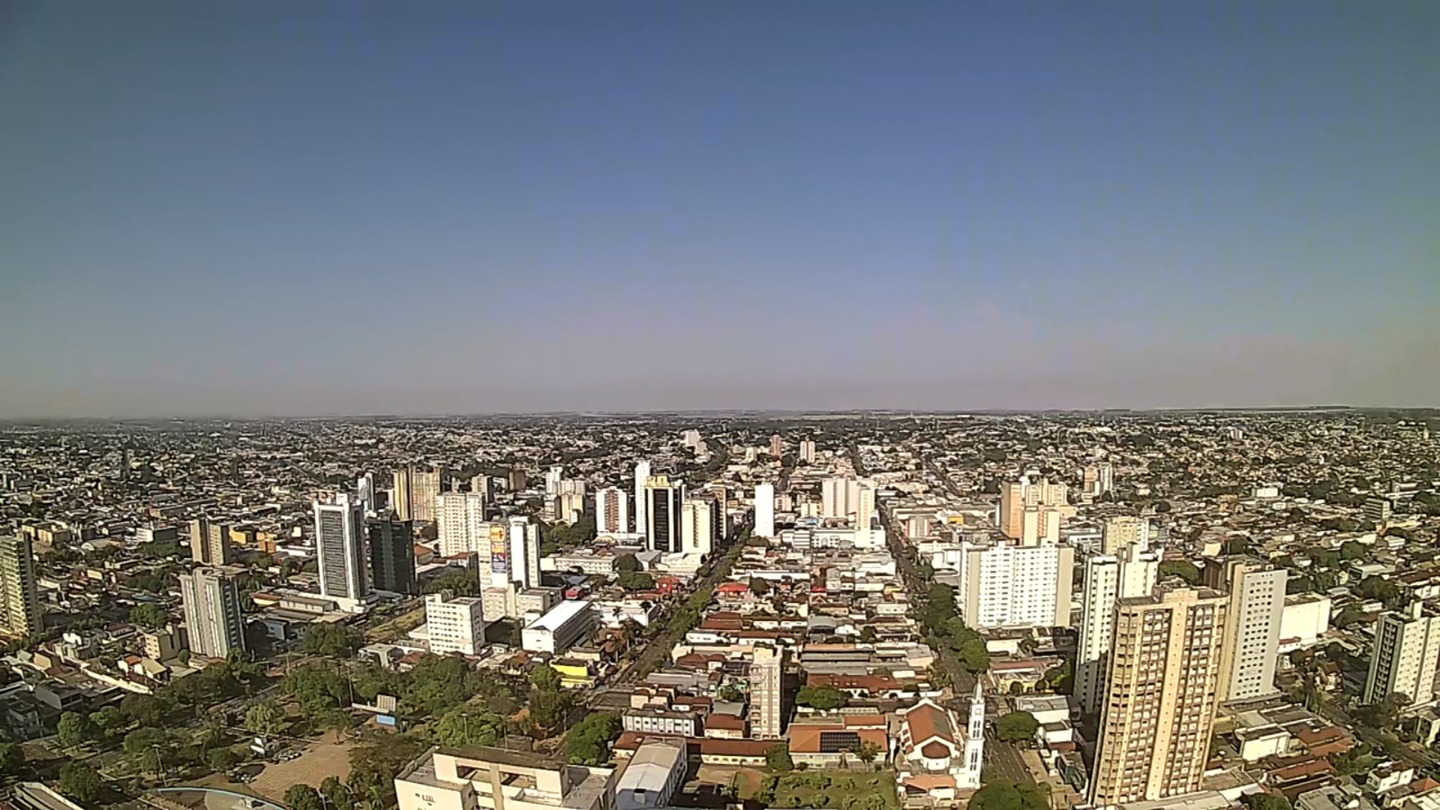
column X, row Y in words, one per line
column 767, row 677
column 481, row 778
column 1032, row 511
column 22, row 616
column 1161, row 698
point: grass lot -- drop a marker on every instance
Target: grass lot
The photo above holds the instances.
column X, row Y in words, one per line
column 843, row 791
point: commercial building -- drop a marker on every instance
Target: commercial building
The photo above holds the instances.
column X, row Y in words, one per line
column 764, row 510
column 612, row 511
column 1003, row 585
column 402, row 493
column 210, row 542
column 767, row 670
column 642, row 475
column 1107, row 578
column 22, row 616
column 392, row 554
column 479, row 778
column 699, row 526
column 663, row 498
column 1407, row 646
column 211, row 604
column 1252, row 626
column 656, row 771
column 415, row 493
column 461, row 527
column 560, row 629
column 1161, row 696
column 456, row 624
column 340, row 550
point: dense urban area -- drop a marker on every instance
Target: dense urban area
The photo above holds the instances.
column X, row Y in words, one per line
column 865, row 611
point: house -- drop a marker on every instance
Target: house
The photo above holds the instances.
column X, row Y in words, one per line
column 839, row 741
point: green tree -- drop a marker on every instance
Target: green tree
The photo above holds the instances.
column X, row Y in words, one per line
column 470, row 725
column 759, row 586
column 545, row 678
column 460, row 583
column 332, row 640
column 12, row 760
column 1003, row 794
column 974, row 656
column 1184, row 569
column 1352, row 550
column 1379, row 588
column 73, row 729
column 627, row 563
column 548, row 709
column 81, row 783
column 868, row 752
column 150, row 748
column 336, row 794
column 1016, row 726
column 635, row 581
column 264, row 718
column 303, row 797
column 825, row 698
column 1266, row 801
column 939, row 607
column 148, row 614
column 588, row 742
column 777, row 758
column 222, row 759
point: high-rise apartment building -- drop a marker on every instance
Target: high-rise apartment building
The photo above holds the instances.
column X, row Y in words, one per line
column 392, row 555
column 807, row 451
column 865, row 506
column 1407, row 646
column 1125, row 531
column 642, row 475
column 210, row 542
column 524, row 552
column 1161, row 696
column 460, row 523
column 424, row 493
column 1003, row 585
column 663, row 498
column 612, row 511
column 839, row 497
column 22, row 616
column 456, row 624
column 211, row 604
column 1252, row 626
column 1031, row 511
column 767, row 671
column 340, row 549
column 1130, row 573
column 402, row 494
column 553, row 477
column 777, row 445
column 764, row 510
column 698, row 526
column 1106, row 482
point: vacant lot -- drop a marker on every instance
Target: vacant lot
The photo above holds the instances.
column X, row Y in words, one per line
column 329, row 757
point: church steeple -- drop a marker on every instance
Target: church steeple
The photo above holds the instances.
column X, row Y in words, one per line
column 974, row 741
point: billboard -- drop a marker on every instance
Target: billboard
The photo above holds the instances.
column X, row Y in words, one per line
column 499, row 550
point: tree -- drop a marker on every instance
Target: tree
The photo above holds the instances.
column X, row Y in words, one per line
column 303, row 797
column 332, row 640
column 221, row 759
column 548, row 709
column 1379, row 588
column 1352, row 550
column 939, row 607
column 545, row 678
column 263, row 718
column 73, row 729
column 824, row 698
column 1184, row 569
column 974, row 656
column 1003, row 794
column 459, row 583
column 12, row 759
column 627, row 563
column 81, row 783
column 635, row 581
column 1352, row 614
column 1016, row 726
column 470, row 725
column 1266, row 801
column 868, row 752
column 589, row 741
column 777, row 758
column 149, row 747
column 148, row 614
column 759, row 586
column 337, row 794
column 145, row 710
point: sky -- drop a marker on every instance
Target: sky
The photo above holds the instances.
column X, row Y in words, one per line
column 278, row 208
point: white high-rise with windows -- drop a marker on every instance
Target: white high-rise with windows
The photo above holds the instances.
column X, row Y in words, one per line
column 211, row 605
column 764, row 510
column 524, row 552
column 456, row 624
column 462, row 528
column 642, row 475
column 1009, row 586
column 340, row 550
column 1252, row 626
column 1132, row 572
column 1407, row 647
column 698, row 526
column 839, row 497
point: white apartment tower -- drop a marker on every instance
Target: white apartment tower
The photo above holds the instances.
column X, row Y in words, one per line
column 764, row 510
column 461, row 524
column 524, row 553
column 767, row 669
column 340, row 549
column 211, row 605
column 839, row 497
column 1031, row 511
column 1131, row 573
column 456, row 624
column 642, row 475
column 1005, row 586
column 1252, row 626
column 698, row 526
column 807, row 451
column 1123, row 532
column 1407, row 646
column 612, row 511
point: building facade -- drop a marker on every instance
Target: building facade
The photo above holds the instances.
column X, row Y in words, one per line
column 612, row 511
column 22, row 615
column 392, row 555
column 456, row 624
column 764, row 511
column 767, row 671
column 699, row 525
column 1252, row 626
column 213, row 622
column 340, row 549
column 1004, row 585
column 663, row 498
column 1133, row 573
column 1407, row 646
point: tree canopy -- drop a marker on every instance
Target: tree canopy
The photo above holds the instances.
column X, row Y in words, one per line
column 1003, row 794
column 1016, row 727
column 332, row 640
column 1184, row 569
column 825, row 698
column 588, row 742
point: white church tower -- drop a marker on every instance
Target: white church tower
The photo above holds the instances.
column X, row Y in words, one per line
column 974, row 742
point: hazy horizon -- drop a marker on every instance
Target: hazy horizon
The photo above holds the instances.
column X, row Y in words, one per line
column 259, row 209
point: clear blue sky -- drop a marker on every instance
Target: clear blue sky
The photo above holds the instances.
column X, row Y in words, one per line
column 296, row 208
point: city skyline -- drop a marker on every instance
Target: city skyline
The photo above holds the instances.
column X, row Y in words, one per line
column 795, row 206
